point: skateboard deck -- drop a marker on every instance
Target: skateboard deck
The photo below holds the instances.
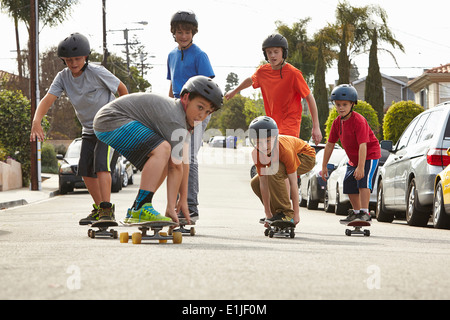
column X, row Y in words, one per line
column 103, row 231
column 182, row 222
column 280, row 229
column 156, row 227
column 357, row 227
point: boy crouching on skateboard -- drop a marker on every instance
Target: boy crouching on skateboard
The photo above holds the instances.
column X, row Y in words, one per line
column 361, row 147
column 153, row 133
column 277, row 158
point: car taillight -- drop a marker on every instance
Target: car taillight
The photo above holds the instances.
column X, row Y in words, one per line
column 438, row 157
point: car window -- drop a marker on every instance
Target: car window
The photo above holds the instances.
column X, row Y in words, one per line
column 418, row 129
column 447, row 130
column 74, row 150
column 403, row 141
column 430, row 126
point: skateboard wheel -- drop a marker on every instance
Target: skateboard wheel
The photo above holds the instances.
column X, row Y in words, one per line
column 192, row 231
column 292, row 234
column 136, row 238
column 124, row 237
column 114, row 234
column 367, row 233
column 177, row 237
column 266, row 232
column 163, row 234
column 271, row 234
column 91, row 234
column 348, row 232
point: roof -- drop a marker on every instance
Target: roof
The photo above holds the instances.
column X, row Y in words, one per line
column 393, row 79
column 441, row 69
column 433, row 75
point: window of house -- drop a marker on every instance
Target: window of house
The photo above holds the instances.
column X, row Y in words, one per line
column 444, row 92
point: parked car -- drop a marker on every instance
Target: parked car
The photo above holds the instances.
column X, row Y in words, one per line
column 441, row 201
column 127, row 171
column 335, row 200
column 312, row 188
column 407, row 179
column 67, row 173
column 218, row 142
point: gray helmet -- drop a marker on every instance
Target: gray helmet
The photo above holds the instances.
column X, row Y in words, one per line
column 205, row 87
column 75, row 45
column 262, row 127
column 184, row 16
column 344, row 92
column 275, row 40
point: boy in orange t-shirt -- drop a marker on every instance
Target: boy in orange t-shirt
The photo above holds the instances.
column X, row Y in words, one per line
column 283, row 88
column 277, row 158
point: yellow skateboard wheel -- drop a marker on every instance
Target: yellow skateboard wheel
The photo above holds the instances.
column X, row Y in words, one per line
column 136, row 238
column 164, row 234
column 177, row 237
column 124, row 237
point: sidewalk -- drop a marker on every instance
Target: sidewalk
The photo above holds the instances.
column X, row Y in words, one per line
column 22, row 196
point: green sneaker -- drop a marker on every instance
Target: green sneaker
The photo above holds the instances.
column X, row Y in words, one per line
column 145, row 214
column 91, row 218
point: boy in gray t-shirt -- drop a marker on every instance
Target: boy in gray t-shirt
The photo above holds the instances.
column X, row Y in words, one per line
column 153, row 133
column 88, row 87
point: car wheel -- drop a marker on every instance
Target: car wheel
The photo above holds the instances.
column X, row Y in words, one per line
column 440, row 218
column 340, row 208
column 310, row 203
column 301, row 201
column 125, row 179
column 326, row 203
column 414, row 217
column 383, row 215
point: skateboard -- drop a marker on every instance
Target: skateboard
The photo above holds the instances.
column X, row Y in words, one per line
column 103, row 231
column 357, row 227
column 182, row 223
column 156, row 227
column 280, row 229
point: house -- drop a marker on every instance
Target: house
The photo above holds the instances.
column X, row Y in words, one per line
column 432, row 87
column 395, row 88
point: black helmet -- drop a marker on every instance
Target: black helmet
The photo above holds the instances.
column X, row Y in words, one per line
column 262, row 127
column 275, row 40
column 75, row 45
column 344, row 92
column 183, row 16
column 205, row 87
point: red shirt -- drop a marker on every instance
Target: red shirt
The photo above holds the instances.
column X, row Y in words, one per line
column 282, row 96
column 353, row 132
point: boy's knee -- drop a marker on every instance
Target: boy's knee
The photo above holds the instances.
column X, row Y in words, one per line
column 163, row 149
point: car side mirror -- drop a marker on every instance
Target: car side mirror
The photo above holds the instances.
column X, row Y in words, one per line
column 386, row 145
column 59, row 156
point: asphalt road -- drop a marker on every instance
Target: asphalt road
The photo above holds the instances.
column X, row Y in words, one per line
column 45, row 254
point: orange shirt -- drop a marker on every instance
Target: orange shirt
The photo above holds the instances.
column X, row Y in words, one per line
column 282, row 96
column 287, row 153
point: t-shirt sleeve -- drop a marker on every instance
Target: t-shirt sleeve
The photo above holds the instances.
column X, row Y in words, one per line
column 57, row 86
column 110, row 81
column 204, row 67
column 300, row 85
column 334, row 132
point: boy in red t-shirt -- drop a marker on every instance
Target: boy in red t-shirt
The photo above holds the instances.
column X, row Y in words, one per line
column 283, row 88
column 362, row 148
column 278, row 158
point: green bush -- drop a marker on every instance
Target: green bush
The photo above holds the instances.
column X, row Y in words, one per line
column 49, row 163
column 364, row 109
column 15, row 128
column 398, row 117
column 306, row 127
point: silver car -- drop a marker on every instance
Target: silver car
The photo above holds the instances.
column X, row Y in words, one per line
column 406, row 181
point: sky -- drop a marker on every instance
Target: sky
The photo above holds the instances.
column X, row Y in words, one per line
column 231, row 32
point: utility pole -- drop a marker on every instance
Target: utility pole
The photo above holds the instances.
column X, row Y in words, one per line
column 34, row 88
column 105, row 49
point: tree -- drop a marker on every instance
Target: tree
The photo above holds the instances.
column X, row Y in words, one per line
column 51, row 13
column 232, row 81
column 15, row 128
column 378, row 31
column 325, row 56
column 301, row 53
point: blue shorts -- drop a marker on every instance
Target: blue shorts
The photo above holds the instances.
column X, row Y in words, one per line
column 352, row 186
column 133, row 140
